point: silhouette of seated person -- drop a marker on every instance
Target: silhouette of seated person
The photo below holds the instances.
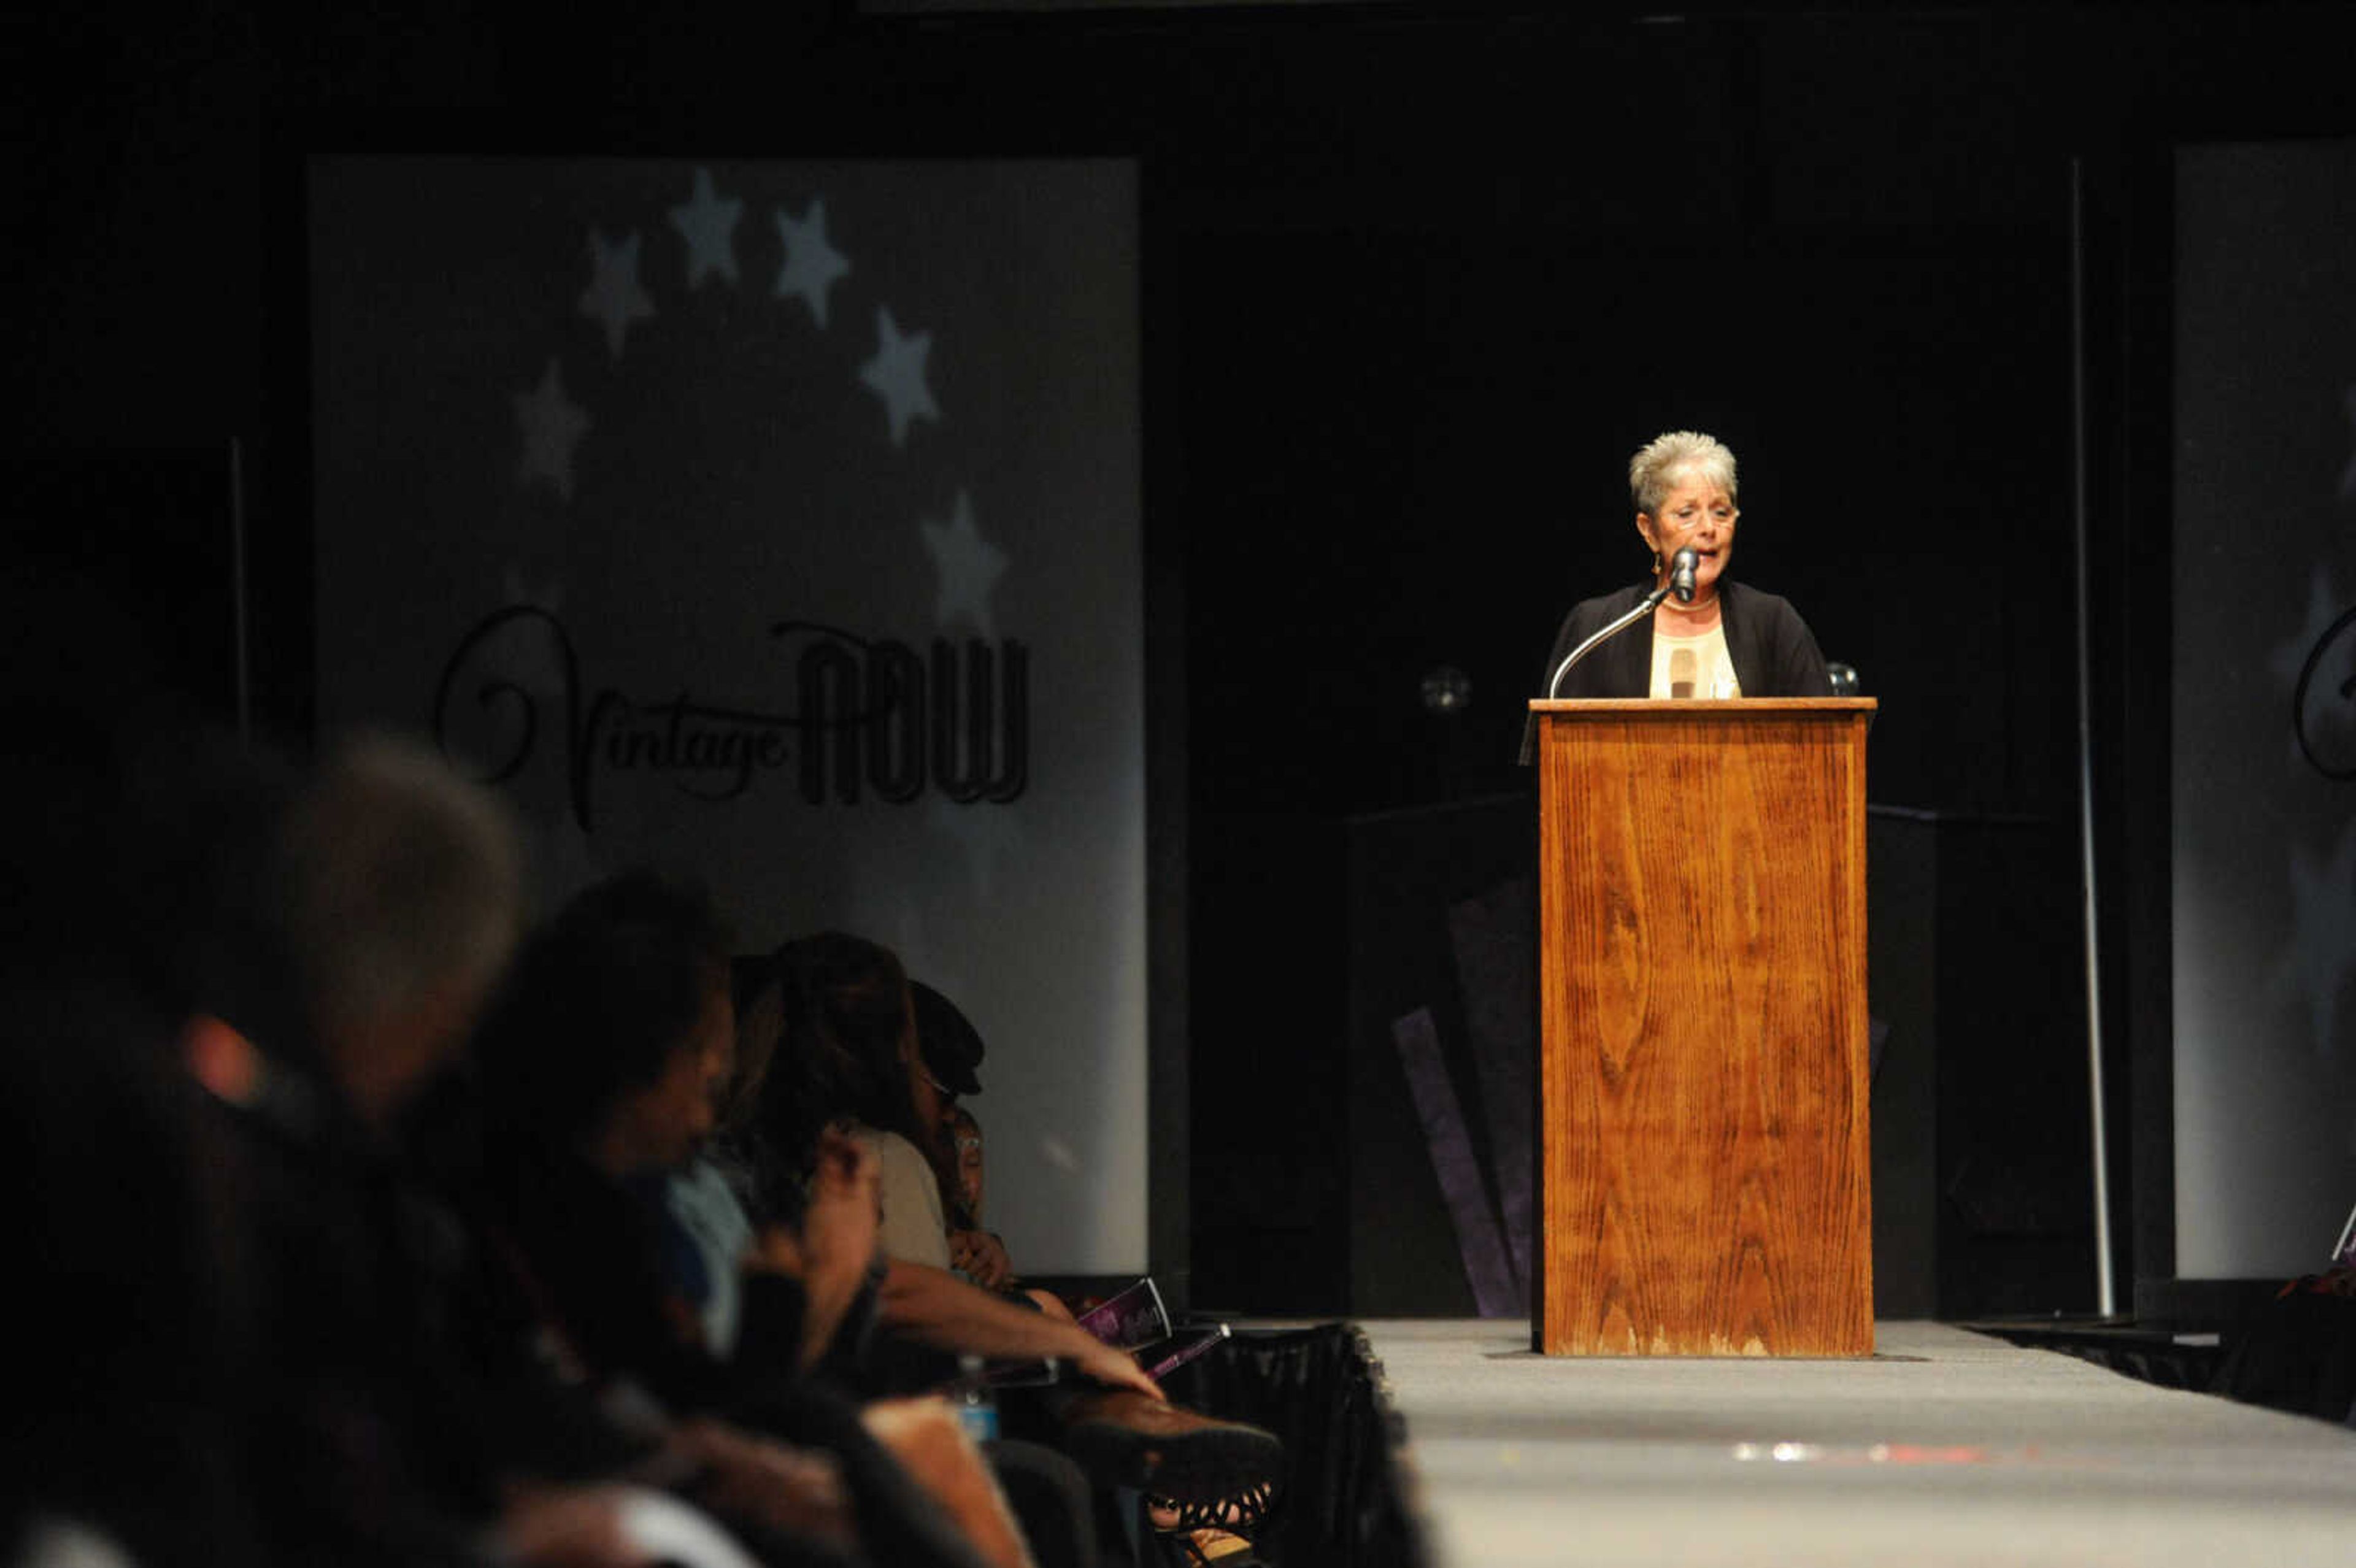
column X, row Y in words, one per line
column 122, row 1227
column 847, row 1063
column 383, row 1427
column 601, row 1065
column 949, row 1050
column 979, row 1252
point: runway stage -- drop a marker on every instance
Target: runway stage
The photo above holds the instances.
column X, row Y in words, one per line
column 1947, row 1447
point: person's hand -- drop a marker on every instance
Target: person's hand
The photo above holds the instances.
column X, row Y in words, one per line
column 982, row 1257
column 777, row 1249
column 935, row 1450
column 798, row 1490
column 844, row 1162
column 1114, row 1369
column 565, row 1526
column 846, row 1202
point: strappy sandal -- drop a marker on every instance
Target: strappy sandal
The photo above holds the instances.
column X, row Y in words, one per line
column 1193, row 1534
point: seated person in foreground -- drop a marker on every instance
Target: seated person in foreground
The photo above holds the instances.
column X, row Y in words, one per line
column 847, row 1065
column 976, row 1251
column 949, row 1050
column 848, row 1061
column 601, row 1067
column 388, row 1423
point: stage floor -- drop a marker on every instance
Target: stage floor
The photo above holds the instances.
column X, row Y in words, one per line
column 1947, row 1447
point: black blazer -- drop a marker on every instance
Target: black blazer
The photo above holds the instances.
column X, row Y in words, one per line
column 1771, row 649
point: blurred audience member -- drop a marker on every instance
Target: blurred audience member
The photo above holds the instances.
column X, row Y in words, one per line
column 603, row 1067
column 965, row 1142
column 949, row 1048
column 381, row 916
column 848, row 1062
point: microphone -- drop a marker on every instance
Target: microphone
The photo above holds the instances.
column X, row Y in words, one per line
column 1682, row 567
column 1644, row 606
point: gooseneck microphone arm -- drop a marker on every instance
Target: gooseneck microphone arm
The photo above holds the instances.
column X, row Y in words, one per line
column 1650, row 602
column 1681, row 582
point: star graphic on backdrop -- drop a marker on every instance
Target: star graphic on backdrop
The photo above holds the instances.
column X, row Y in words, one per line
column 897, row 375
column 2322, row 954
column 552, row 425
column 969, row 567
column 707, row 222
column 612, row 296
column 811, row 264
column 2348, row 475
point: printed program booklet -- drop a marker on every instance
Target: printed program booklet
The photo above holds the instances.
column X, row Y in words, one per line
column 1135, row 1320
column 1134, row 1317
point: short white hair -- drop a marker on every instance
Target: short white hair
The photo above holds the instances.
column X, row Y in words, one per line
column 403, row 877
column 1660, row 460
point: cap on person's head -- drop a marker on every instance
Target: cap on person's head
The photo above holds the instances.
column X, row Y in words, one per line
column 950, row 1045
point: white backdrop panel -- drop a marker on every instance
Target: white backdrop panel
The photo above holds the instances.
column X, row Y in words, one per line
column 616, row 458
column 2263, row 858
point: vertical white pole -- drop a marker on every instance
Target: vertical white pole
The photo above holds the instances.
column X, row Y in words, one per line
column 2105, row 1287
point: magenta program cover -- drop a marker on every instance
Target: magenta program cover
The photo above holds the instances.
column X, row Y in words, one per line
column 1133, row 1317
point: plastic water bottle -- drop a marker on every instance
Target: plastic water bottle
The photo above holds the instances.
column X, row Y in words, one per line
column 977, row 1406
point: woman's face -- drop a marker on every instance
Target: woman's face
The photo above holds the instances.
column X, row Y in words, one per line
column 965, row 1135
column 1697, row 514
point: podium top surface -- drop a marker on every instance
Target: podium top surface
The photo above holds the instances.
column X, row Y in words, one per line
column 1687, row 707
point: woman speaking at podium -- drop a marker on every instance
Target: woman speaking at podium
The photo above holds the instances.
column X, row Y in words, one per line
column 1718, row 640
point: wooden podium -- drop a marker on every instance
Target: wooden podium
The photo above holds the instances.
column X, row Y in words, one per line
column 1703, row 1158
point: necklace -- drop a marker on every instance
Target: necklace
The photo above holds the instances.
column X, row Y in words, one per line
column 1700, row 606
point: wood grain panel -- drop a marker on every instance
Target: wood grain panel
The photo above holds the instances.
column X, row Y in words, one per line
column 1703, row 1084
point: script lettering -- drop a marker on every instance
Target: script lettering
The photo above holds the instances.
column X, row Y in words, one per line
column 2304, row 724
column 867, row 714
